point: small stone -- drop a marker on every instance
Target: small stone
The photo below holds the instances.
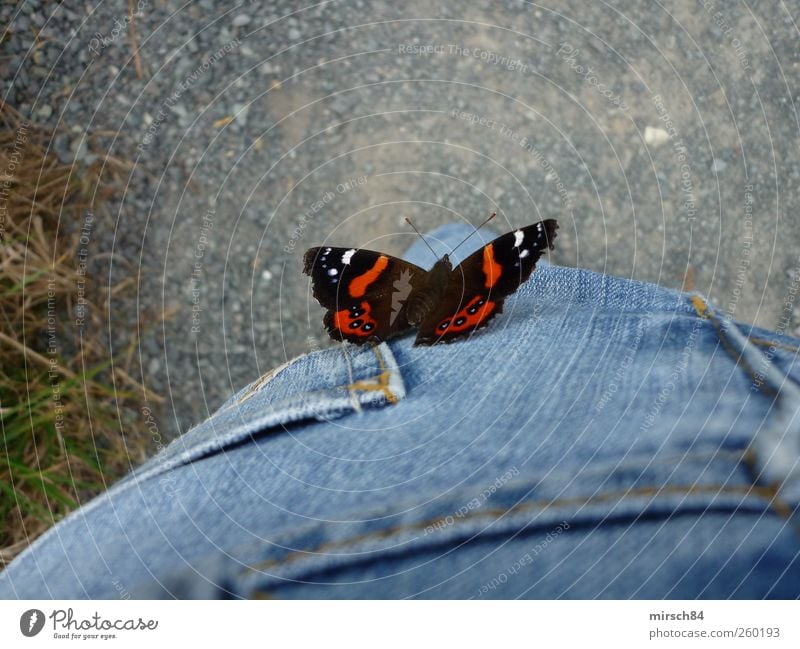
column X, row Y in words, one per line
column 61, row 147
column 294, row 34
column 655, row 136
column 179, row 110
column 239, row 111
column 21, row 24
column 266, row 275
column 45, row 110
column 79, row 149
column 718, row 165
column 241, row 20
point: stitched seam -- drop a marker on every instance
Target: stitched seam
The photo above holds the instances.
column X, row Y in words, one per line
column 670, row 460
column 379, row 383
column 704, row 311
column 779, row 506
column 260, row 382
column 707, row 313
column 770, row 343
column 763, row 492
column 699, row 306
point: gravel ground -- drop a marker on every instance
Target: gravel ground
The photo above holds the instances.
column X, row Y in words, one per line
column 663, row 139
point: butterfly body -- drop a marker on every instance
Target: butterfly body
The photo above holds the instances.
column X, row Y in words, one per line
column 433, row 287
column 371, row 296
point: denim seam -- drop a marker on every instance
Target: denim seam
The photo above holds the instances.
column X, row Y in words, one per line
column 775, row 444
column 781, row 507
column 261, row 382
column 763, row 342
column 736, row 457
column 761, row 492
column 380, row 383
column 707, row 313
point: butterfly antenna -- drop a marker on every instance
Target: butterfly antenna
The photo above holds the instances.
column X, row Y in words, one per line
column 473, row 232
column 408, row 220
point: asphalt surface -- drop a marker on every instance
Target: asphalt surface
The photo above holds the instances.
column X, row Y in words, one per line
column 663, row 138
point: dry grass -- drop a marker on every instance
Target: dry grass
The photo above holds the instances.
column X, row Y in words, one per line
column 69, row 422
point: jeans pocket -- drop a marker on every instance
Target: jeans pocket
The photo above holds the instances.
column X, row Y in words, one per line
column 319, row 386
column 666, row 512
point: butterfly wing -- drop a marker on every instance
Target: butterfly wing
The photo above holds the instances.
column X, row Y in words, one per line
column 363, row 291
column 479, row 285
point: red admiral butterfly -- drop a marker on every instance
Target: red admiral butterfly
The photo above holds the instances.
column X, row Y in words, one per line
column 371, row 297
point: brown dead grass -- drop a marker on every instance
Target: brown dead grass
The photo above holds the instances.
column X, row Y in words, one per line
column 69, row 421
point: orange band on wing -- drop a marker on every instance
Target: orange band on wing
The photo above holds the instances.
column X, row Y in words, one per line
column 358, row 286
column 491, row 268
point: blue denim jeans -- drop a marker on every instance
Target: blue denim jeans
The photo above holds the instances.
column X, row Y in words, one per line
column 601, row 438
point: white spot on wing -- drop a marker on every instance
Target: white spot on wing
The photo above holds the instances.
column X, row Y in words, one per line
column 332, row 272
column 518, row 237
column 523, row 254
column 348, row 255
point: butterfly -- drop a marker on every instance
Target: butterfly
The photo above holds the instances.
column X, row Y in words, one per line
column 371, row 297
